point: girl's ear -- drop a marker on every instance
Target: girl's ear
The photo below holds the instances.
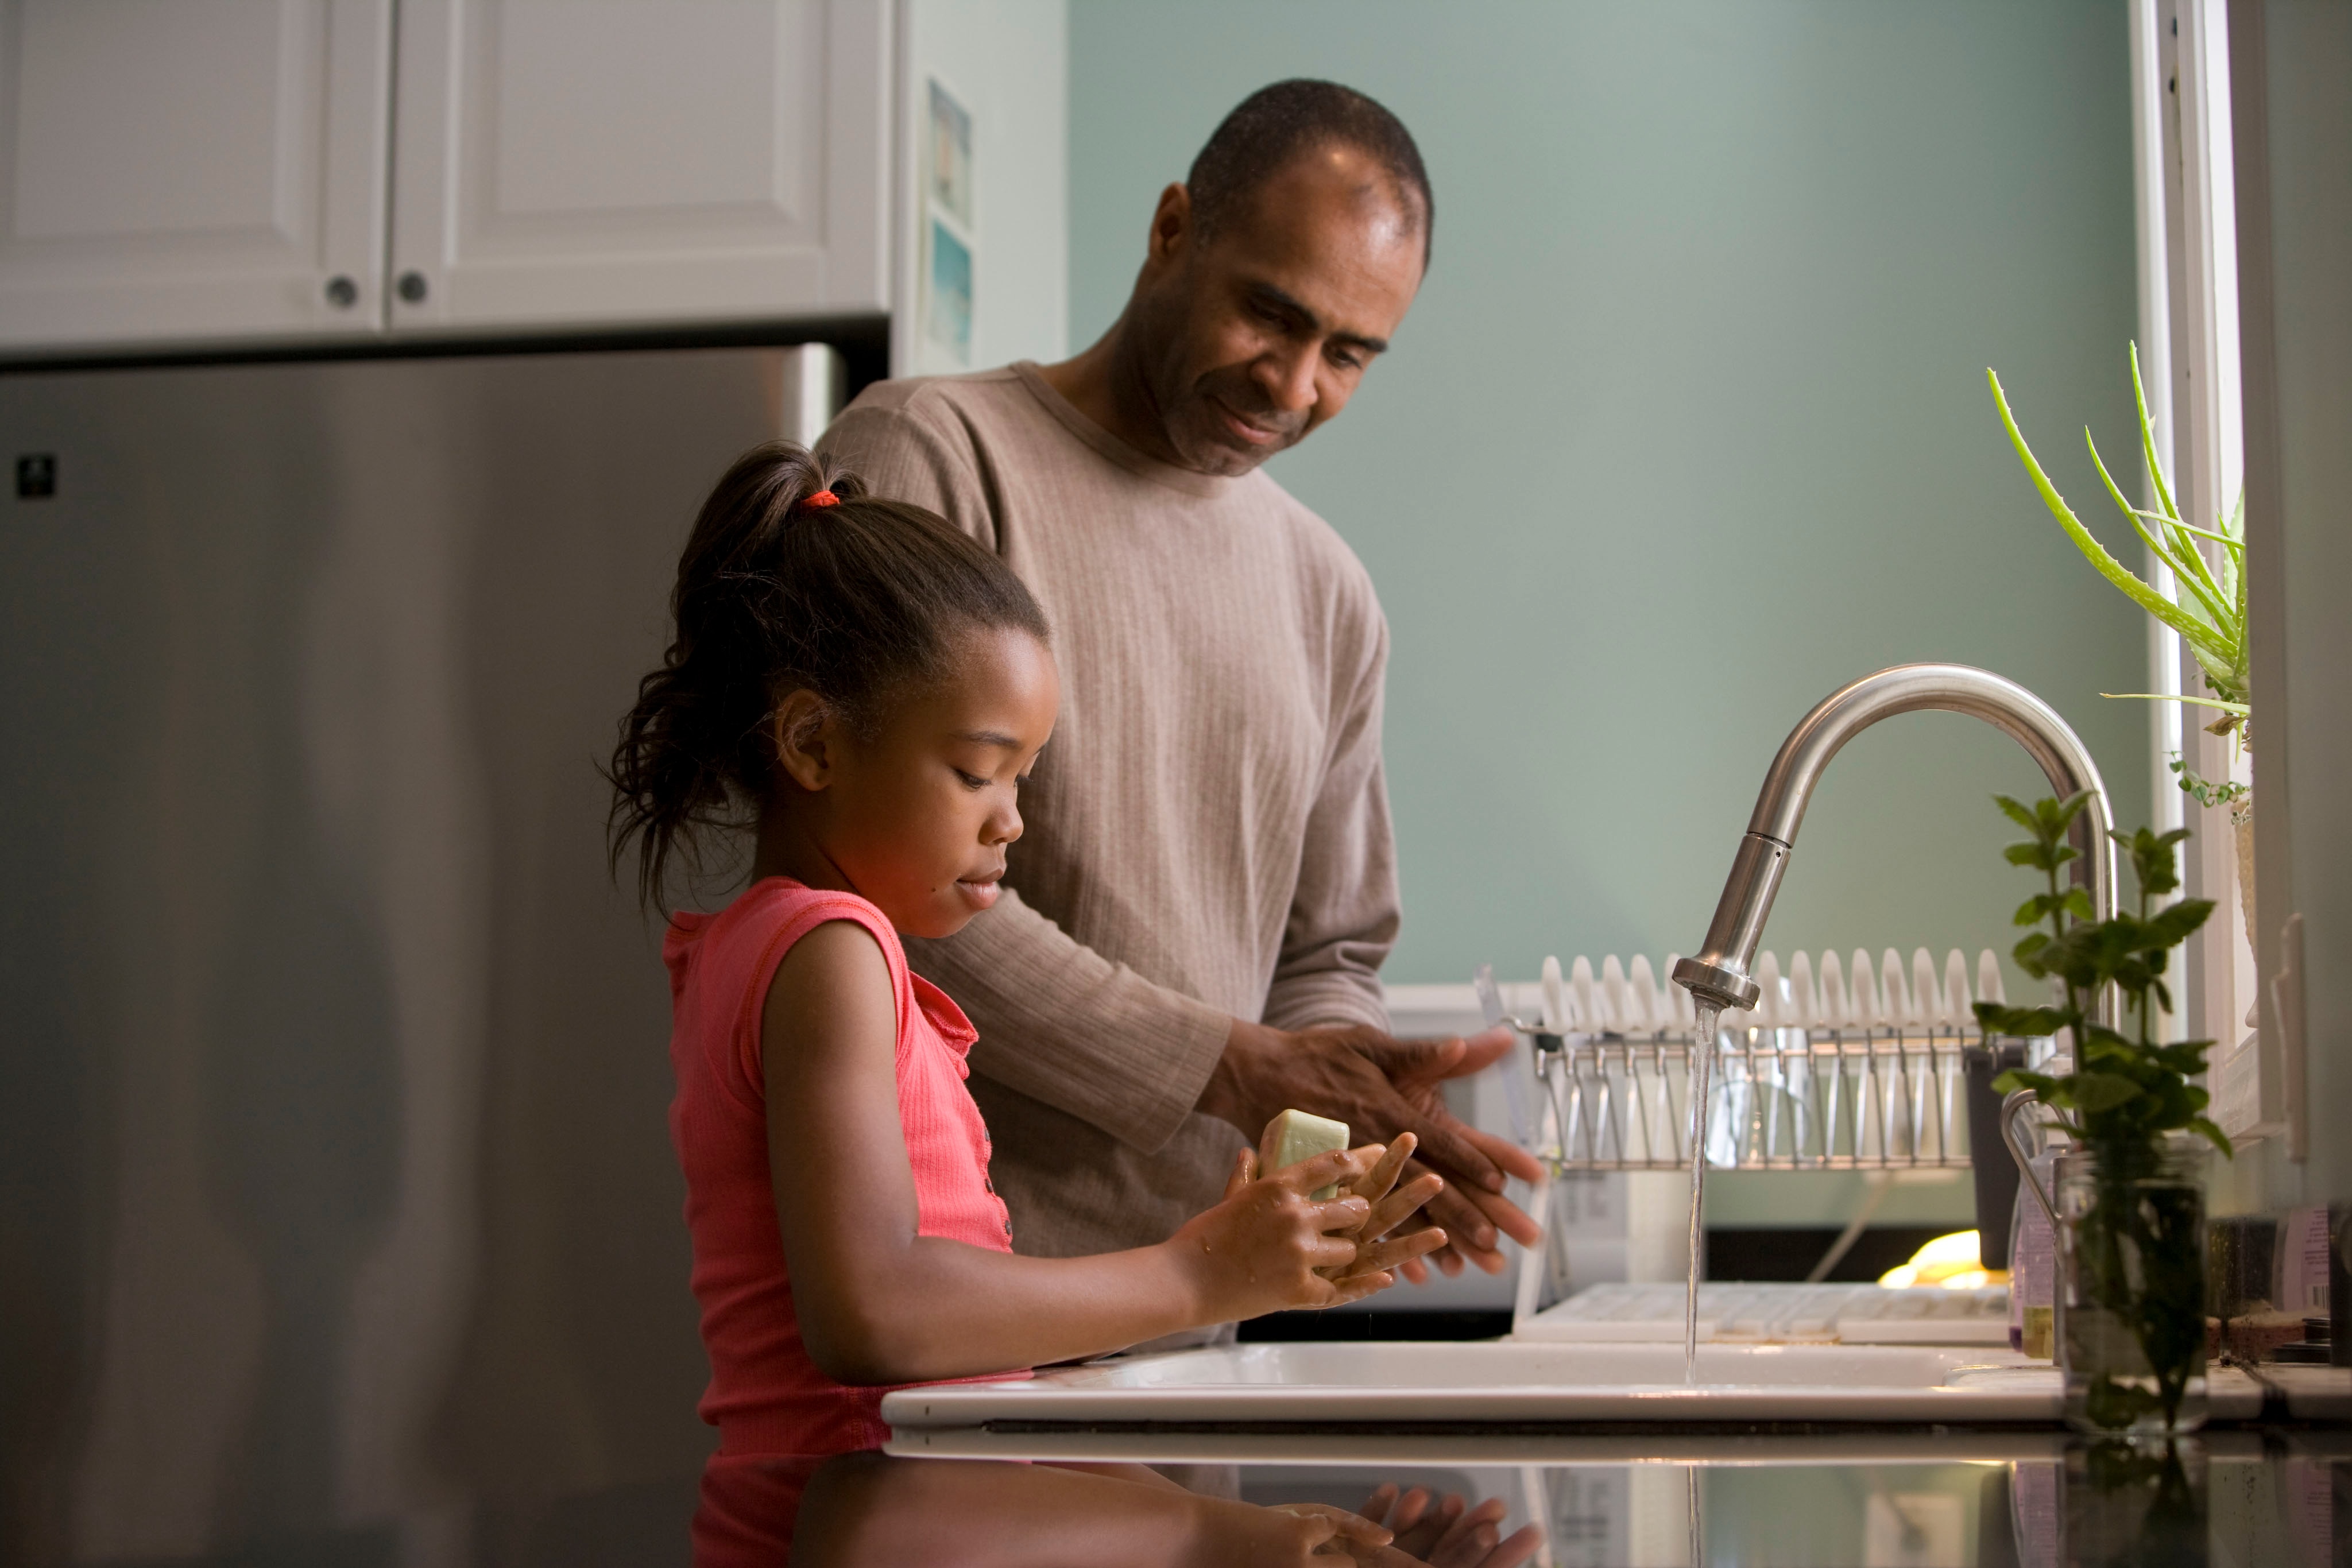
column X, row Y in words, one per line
column 807, row 739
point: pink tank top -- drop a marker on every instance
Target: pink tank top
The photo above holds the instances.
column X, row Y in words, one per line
column 766, row 1397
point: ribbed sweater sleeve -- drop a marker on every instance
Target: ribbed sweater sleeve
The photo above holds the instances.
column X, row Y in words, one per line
column 1065, row 1026
column 1345, row 912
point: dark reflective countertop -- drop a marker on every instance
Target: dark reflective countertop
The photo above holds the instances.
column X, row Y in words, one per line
column 2277, row 1497
column 2261, row 1497
column 2020, row 1499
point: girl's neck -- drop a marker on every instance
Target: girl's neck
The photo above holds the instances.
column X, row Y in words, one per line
column 785, row 847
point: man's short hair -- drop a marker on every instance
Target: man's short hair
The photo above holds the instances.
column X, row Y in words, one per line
column 1277, row 123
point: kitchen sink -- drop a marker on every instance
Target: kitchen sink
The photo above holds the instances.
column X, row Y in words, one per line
column 1508, row 1383
column 1499, row 1384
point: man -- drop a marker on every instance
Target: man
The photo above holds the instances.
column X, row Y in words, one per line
column 1193, row 924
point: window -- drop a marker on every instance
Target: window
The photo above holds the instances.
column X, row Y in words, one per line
column 2188, row 347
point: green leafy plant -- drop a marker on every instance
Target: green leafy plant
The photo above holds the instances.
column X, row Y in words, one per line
column 2207, row 606
column 2228, row 793
column 2140, row 1253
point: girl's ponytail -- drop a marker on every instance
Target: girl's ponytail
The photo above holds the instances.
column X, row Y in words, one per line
column 793, row 579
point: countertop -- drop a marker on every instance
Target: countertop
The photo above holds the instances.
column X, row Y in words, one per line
column 2274, row 1497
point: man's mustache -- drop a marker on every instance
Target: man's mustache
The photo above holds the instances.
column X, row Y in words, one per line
column 1260, row 412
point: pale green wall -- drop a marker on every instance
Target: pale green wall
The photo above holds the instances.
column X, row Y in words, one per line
column 1689, row 426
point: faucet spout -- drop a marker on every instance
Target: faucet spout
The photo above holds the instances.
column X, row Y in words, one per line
column 1721, row 973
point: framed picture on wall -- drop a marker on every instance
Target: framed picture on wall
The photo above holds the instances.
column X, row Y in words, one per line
column 944, row 282
column 947, row 174
column 947, row 293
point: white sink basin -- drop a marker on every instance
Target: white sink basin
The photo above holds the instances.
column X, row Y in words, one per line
column 1505, row 1382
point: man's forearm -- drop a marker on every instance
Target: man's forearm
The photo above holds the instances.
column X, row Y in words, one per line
column 1064, row 1026
column 1234, row 1090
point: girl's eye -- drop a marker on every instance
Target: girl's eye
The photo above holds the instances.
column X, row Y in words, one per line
column 971, row 781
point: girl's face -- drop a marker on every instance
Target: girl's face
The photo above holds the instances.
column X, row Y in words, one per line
column 917, row 817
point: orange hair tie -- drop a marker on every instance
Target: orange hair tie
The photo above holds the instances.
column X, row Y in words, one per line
column 823, row 498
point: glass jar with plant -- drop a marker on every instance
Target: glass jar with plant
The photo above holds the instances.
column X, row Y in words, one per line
column 2207, row 607
column 2131, row 1196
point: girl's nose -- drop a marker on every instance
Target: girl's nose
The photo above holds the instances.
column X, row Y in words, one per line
column 1004, row 825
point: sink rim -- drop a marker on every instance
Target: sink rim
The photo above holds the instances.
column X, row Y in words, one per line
column 1511, row 1363
column 2007, row 1389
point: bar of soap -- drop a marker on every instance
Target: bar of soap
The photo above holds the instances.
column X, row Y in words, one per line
column 1294, row 1137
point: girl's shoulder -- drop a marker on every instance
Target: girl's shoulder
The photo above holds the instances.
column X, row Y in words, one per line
column 722, row 965
column 744, row 942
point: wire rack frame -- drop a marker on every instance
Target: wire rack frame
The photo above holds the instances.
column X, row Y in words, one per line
column 1781, row 1099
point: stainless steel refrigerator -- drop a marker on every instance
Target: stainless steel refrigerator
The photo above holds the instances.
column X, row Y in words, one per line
column 338, row 1218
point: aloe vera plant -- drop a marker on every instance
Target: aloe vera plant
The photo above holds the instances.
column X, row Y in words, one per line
column 2208, row 608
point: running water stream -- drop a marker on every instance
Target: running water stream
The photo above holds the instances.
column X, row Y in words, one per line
column 1702, row 1066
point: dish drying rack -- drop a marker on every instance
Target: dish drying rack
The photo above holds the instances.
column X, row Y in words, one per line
column 1835, row 1068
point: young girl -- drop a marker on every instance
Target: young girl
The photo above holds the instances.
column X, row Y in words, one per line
column 866, row 688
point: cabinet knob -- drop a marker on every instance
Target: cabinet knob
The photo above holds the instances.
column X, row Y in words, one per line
column 412, row 287
column 342, row 292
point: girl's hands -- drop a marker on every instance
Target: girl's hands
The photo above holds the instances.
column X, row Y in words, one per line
column 1305, row 1533
column 1411, row 1531
column 1270, row 1247
column 1449, row 1534
column 1258, row 1252
column 1391, row 1207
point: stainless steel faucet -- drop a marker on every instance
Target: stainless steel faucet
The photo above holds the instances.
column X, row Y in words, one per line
column 1721, row 972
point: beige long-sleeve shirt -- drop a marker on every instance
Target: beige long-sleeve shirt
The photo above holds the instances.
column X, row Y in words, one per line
column 1207, row 832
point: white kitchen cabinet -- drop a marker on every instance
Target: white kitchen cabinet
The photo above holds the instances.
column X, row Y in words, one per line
column 209, row 174
column 192, row 170
column 584, row 163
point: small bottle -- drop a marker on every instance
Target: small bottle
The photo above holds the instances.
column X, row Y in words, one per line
column 2034, row 1267
column 2018, row 1204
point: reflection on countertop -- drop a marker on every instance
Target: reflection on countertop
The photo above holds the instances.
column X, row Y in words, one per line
column 2261, row 1497
column 2279, row 1495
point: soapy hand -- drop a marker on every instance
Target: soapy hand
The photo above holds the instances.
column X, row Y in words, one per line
column 1384, row 1087
column 1270, row 1247
column 1391, row 1206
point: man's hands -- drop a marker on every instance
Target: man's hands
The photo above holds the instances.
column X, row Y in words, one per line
column 1381, row 1088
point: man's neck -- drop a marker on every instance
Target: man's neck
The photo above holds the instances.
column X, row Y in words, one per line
column 1106, row 383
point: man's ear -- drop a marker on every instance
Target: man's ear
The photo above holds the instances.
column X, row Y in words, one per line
column 806, row 734
column 1171, row 227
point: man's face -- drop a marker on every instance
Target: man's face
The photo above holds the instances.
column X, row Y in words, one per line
column 1254, row 338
